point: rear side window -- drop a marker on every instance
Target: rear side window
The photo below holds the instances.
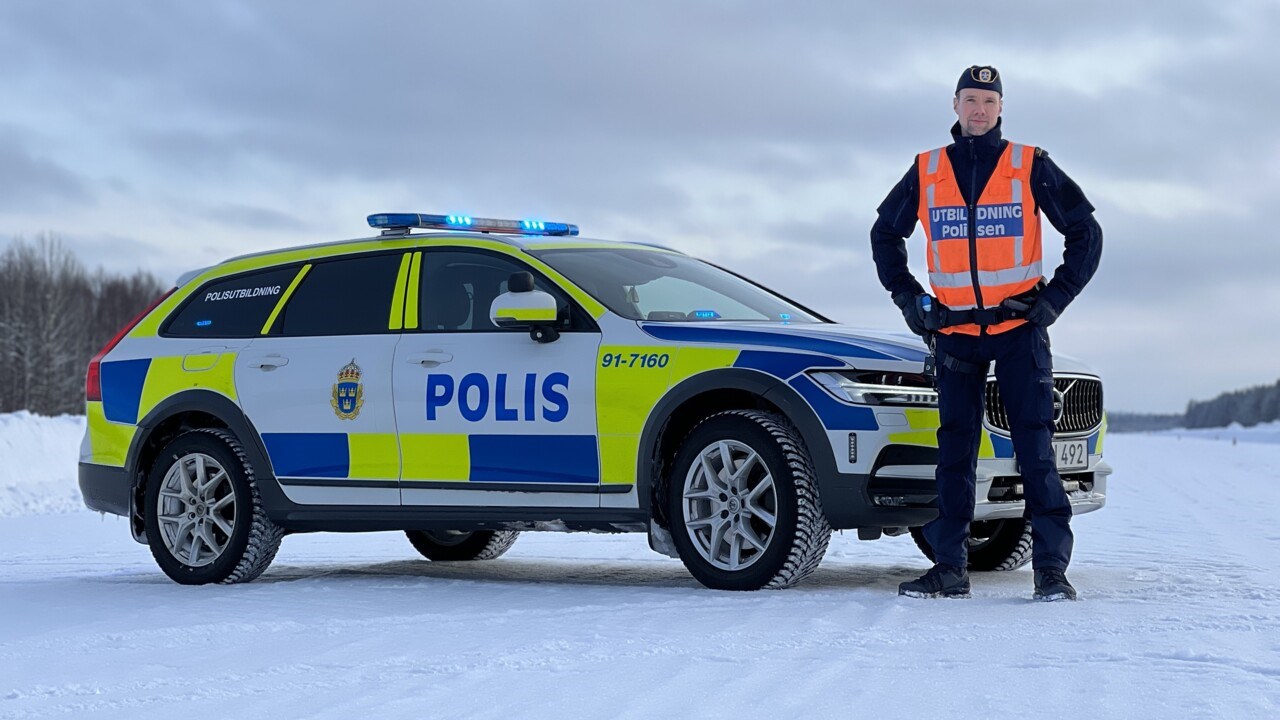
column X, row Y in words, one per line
column 351, row 296
column 232, row 307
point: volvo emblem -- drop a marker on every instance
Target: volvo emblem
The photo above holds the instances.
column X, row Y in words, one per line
column 1059, row 405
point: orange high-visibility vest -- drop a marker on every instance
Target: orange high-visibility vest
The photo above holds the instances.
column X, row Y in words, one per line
column 1006, row 235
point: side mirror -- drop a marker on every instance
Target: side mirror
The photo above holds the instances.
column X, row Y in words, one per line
column 524, row 307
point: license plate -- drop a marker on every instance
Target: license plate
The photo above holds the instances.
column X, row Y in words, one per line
column 1071, row 454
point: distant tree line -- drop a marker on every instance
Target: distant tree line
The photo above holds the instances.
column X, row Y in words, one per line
column 54, row 315
column 1144, row 422
column 1248, row 407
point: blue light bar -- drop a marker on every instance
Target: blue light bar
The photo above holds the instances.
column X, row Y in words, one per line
column 405, row 221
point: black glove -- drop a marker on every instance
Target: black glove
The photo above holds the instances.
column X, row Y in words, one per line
column 1042, row 313
column 912, row 312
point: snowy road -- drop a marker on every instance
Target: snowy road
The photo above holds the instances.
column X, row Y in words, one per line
column 1179, row 617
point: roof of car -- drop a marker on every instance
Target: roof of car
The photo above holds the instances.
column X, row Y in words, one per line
column 523, row 242
column 520, row 242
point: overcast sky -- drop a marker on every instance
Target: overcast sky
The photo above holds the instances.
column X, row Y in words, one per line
column 171, row 135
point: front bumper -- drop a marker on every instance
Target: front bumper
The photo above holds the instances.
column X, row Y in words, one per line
column 895, row 462
column 997, row 491
column 106, row 488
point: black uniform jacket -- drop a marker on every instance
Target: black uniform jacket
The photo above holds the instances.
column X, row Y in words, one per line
column 974, row 159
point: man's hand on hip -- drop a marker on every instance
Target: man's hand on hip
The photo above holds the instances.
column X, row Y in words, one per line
column 1042, row 313
column 914, row 313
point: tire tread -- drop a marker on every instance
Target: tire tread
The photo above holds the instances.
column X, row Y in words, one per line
column 498, row 542
column 1006, row 555
column 813, row 532
column 264, row 535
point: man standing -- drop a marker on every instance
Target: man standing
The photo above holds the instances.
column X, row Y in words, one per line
column 980, row 201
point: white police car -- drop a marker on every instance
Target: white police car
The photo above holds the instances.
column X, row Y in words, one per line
column 497, row 376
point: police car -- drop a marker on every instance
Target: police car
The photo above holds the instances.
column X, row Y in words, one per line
column 488, row 377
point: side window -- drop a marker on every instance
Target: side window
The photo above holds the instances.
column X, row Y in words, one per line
column 459, row 286
column 232, row 307
column 349, row 296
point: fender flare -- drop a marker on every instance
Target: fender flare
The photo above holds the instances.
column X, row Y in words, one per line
column 225, row 410
column 768, row 387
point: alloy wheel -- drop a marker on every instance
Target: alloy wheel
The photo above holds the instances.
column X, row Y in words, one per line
column 197, row 509
column 730, row 505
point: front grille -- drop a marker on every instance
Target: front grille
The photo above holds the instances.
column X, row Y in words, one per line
column 1082, row 399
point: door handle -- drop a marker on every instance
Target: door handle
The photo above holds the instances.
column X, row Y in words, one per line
column 268, row 362
column 430, row 358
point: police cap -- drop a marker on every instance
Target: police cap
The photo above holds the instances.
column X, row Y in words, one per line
column 981, row 77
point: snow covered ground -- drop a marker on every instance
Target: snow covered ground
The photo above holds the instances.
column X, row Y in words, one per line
column 1179, row 617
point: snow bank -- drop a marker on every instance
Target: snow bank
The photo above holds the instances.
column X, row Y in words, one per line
column 39, row 460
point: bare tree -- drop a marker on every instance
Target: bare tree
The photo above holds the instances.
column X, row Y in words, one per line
column 117, row 300
column 53, row 317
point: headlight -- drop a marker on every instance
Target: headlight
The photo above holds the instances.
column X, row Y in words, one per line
column 878, row 388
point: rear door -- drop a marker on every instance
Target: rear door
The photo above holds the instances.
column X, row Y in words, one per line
column 317, row 386
column 487, row 416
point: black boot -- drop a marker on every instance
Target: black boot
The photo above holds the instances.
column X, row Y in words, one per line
column 941, row 581
column 1051, row 584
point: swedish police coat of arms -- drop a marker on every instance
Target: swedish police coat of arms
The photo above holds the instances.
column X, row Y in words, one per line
column 348, row 392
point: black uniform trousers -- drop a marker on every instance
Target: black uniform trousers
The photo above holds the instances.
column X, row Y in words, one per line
column 1024, row 369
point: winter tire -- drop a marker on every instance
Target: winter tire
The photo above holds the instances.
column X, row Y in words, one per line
column 997, row 545
column 204, row 517
column 454, row 545
column 743, row 503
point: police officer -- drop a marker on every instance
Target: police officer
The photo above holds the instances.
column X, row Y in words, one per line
column 980, row 200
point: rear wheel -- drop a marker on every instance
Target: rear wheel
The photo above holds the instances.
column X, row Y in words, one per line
column 456, row 545
column 204, row 517
column 998, row 545
column 743, row 503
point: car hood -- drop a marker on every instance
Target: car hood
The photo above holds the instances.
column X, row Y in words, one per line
column 858, row 347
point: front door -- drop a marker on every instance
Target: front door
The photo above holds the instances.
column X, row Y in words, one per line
column 489, row 417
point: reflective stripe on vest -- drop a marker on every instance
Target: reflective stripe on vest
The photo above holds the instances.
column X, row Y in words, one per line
column 1005, row 234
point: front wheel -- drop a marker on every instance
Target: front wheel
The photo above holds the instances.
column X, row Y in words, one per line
column 204, row 518
column 743, row 503
column 456, row 545
column 994, row 545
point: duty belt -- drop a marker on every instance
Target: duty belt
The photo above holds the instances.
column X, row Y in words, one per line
column 1014, row 308
column 1010, row 309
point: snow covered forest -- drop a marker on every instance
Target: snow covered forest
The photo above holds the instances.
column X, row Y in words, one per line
column 1247, row 407
column 54, row 315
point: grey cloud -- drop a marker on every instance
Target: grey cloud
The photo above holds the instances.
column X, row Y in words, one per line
column 29, row 181
column 192, row 152
column 254, row 217
column 110, row 252
column 319, row 96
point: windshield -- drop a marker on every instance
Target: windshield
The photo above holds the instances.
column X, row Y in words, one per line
column 657, row 285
